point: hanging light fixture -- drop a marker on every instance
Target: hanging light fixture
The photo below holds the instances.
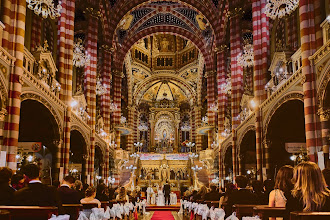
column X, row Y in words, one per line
column 205, row 120
column 226, row 87
column 214, row 107
column 246, row 59
column 113, row 106
column 45, row 8
column 280, row 8
column 185, row 127
column 143, row 127
column 80, row 58
column 122, row 120
column 100, row 89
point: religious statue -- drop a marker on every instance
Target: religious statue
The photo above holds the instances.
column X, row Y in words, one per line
column 164, row 172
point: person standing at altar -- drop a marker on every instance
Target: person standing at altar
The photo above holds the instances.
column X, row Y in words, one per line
column 150, row 192
column 160, row 197
column 167, row 192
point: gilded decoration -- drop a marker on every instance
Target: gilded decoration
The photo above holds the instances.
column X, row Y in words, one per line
column 3, row 70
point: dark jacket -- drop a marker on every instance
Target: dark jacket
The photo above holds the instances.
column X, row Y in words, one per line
column 6, row 194
column 68, row 196
column 37, row 194
column 242, row 196
column 212, row 196
column 167, row 189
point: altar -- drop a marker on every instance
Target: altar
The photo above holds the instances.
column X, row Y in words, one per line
column 155, row 169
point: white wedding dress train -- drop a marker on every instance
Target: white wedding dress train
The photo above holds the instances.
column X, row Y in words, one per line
column 160, row 198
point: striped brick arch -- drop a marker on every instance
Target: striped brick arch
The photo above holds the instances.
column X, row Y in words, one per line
column 206, row 8
column 164, row 29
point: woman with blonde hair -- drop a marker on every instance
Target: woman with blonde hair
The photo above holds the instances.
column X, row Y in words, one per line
column 90, row 197
column 309, row 192
column 122, row 196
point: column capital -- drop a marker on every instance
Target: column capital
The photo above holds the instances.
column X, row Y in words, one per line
column 210, row 73
column 118, row 73
column 221, row 48
column 237, row 11
column 94, row 12
column 324, row 114
column 107, row 48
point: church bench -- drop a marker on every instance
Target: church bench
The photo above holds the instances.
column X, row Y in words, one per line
column 4, row 215
column 30, row 212
column 72, row 210
column 215, row 204
column 105, row 204
column 89, row 206
column 243, row 210
column 309, row 215
column 265, row 212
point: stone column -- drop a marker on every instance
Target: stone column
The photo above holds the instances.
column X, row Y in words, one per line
column 325, row 117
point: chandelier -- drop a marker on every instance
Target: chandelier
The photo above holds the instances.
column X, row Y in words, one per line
column 45, row 8
column 80, row 58
column 143, row 127
column 196, row 168
column 135, row 155
column 185, row 127
column 247, row 58
column 280, row 8
column 214, row 107
column 122, row 120
column 205, row 120
column 226, row 87
column 100, row 89
column 193, row 155
column 113, row 106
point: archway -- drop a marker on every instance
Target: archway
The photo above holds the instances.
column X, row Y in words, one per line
column 98, row 164
column 247, row 154
column 78, row 153
column 38, row 138
column 287, row 125
column 228, row 164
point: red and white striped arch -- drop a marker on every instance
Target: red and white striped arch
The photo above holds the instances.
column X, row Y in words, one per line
column 164, row 29
column 206, row 8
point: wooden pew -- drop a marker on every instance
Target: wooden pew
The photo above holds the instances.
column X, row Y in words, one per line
column 265, row 212
column 4, row 215
column 105, row 204
column 309, row 215
column 30, row 212
column 243, row 210
column 89, row 206
column 72, row 210
column 215, row 204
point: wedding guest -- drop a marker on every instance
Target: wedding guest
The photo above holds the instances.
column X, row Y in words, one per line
column 213, row 195
column 101, row 192
column 326, row 175
column 36, row 193
column 66, row 193
column 201, row 193
column 134, row 196
column 122, row 196
column 78, row 186
column 242, row 195
column 90, row 197
column 6, row 191
column 310, row 192
column 283, row 187
column 257, row 187
column 18, row 181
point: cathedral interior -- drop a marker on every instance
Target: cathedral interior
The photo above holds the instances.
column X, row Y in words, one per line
column 140, row 92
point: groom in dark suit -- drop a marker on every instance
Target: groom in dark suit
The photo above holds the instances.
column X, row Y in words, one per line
column 167, row 191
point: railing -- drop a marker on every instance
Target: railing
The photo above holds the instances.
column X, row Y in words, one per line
column 44, row 69
column 282, row 70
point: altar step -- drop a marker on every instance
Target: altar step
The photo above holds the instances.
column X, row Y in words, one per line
column 172, row 208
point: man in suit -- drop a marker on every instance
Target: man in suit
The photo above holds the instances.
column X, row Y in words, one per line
column 66, row 193
column 36, row 193
column 242, row 195
column 6, row 191
column 213, row 195
column 167, row 191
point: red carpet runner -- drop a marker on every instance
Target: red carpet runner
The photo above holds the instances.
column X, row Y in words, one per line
column 162, row 215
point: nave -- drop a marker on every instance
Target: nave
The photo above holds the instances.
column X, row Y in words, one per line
column 148, row 109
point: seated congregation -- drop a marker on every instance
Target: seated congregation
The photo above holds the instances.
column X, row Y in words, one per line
column 303, row 188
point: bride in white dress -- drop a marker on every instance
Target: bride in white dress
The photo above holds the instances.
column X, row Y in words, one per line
column 160, row 197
